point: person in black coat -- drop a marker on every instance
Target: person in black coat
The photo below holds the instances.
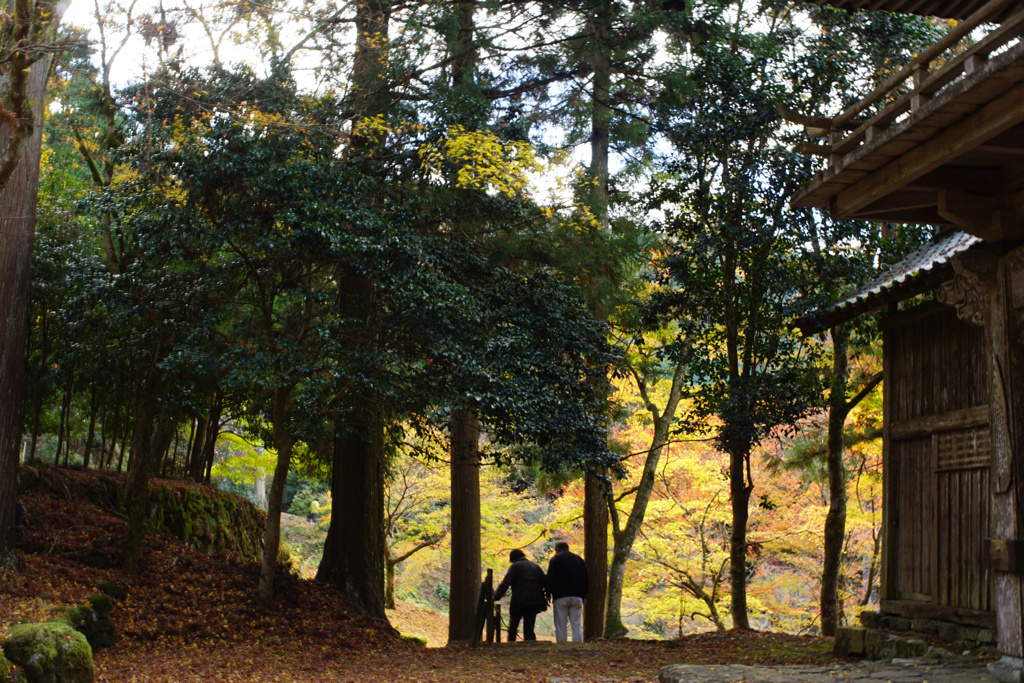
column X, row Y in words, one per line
column 526, row 579
column 567, row 585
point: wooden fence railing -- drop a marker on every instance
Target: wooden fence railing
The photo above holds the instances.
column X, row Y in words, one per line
column 488, row 614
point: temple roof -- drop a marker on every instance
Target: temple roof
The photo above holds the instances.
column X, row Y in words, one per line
column 947, row 9
column 921, row 271
column 945, row 149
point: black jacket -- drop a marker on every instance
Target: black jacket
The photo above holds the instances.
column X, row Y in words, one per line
column 567, row 576
column 526, row 579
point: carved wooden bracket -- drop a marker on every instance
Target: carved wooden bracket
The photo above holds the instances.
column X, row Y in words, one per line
column 972, row 287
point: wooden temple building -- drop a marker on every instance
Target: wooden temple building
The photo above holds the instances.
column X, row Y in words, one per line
column 941, row 142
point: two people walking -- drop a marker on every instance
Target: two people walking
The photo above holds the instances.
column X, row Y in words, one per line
column 565, row 585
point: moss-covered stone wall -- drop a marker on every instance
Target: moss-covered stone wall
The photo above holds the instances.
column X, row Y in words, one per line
column 206, row 518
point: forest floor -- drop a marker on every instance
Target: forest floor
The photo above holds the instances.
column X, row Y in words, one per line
column 192, row 617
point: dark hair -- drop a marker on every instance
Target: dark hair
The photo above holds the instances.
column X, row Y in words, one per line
column 560, row 546
column 515, row 555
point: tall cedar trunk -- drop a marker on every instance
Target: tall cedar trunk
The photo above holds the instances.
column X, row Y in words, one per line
column 624, row 538
column 595, row 553
column 464, row 580
column 465, row 560
column 835, row 521
column 596, row 498
column 353, row 556
column 17, row 232
column 142, row 456
column 272, row 532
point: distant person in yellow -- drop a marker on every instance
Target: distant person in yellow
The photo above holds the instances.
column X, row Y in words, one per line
column 314, row 512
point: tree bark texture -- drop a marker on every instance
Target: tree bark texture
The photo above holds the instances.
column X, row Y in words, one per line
column 595, row 553
column 465, row 559
column 601, row 115
column 142, row 456
column 835, row 521
column 740, row 492
column 353, row 556
column 284, row 441
column 17, row 233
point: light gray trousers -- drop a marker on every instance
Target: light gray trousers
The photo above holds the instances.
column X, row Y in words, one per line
column 570, row 608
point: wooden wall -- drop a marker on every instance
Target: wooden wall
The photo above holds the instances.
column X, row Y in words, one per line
column 937, row 467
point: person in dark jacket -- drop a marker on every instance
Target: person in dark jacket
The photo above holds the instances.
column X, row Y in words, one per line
column 526, row 579
column 567, row 585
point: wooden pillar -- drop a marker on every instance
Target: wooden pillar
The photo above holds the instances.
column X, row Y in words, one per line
column 983, row 292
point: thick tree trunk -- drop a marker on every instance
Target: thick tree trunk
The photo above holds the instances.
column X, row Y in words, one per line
column 835, row 521
column 595, row 554
column 353, row 556
column 142, row 455
column 272, row 532
column 465, row 571
column 17, row 232
column 596, row 491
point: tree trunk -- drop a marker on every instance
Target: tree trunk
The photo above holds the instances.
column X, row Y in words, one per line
column 38, row 389
column 212, row 432
column 259, row 490
column 595, row 553
column 740, row 492
column 17, row 232
column 624, row 538
column 142, row 455
column 465, row 569
column 196, row 460
column 596, row 490
column 93, row 409
column 353, row 556
column 272, row 534
column 389, row 588
column 835, row 521
column 63, row 429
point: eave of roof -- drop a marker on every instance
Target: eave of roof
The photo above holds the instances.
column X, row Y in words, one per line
column 920, row 272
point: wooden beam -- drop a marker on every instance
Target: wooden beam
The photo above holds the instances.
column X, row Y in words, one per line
column 996, row 117
column 926, row 610
column 967, row 418
column 901, row 201
column 980, row 216
column 973, row 179
column 812, row 149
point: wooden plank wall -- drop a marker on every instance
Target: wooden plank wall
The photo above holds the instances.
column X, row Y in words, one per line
column 938, row 463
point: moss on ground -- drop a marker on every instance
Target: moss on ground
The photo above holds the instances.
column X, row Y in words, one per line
column 50, row 653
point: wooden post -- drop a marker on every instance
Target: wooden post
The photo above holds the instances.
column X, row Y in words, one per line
column 983, row 293
column 497, row 623
column 486, row 601
column 489, row 605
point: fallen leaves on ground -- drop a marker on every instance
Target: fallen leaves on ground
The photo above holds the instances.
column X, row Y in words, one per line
column 193, row 617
